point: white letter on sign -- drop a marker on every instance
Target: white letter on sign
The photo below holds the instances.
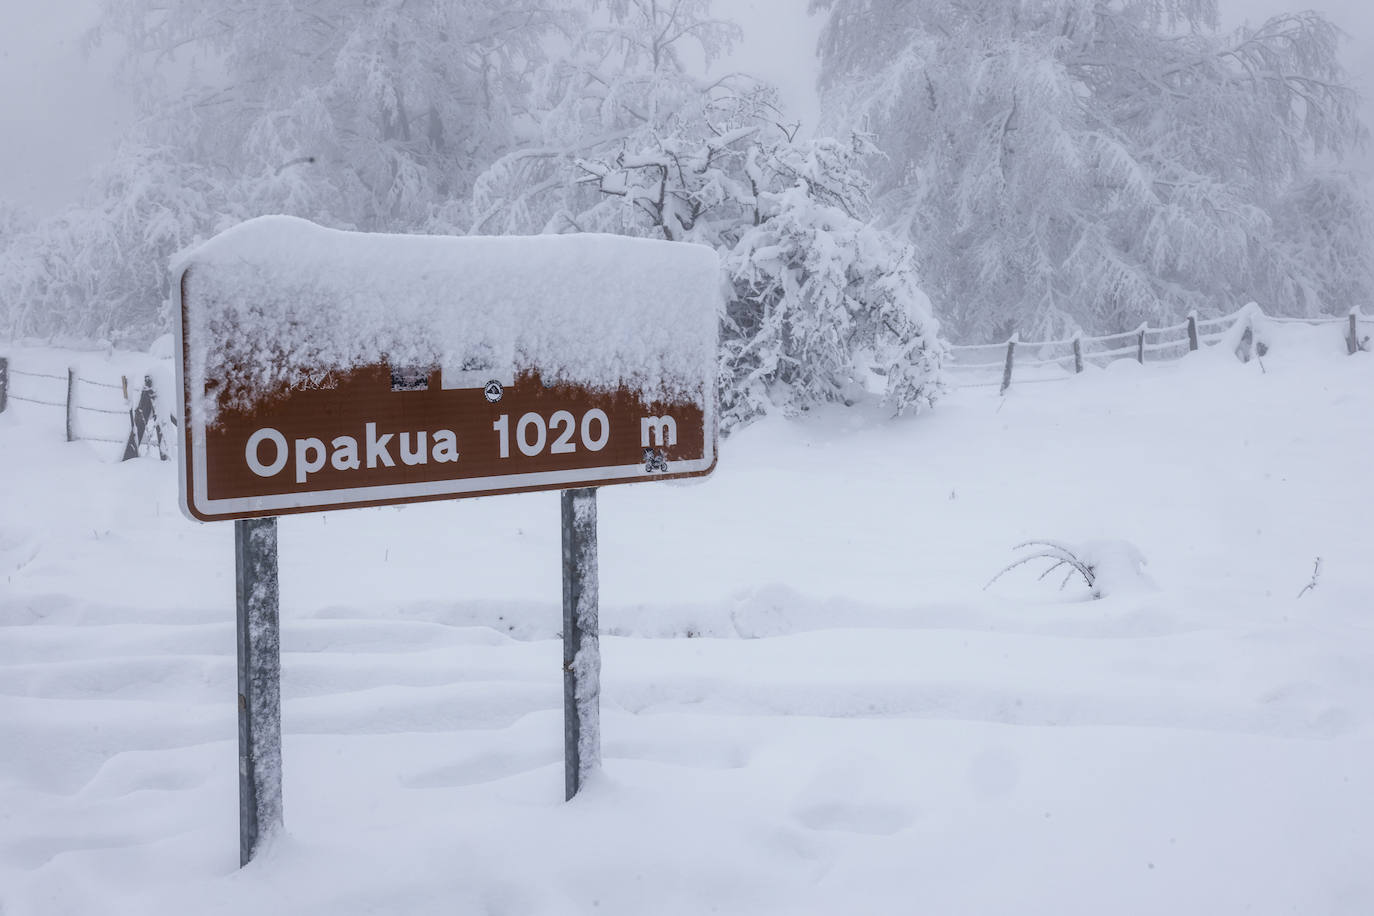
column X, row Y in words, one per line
column 445, row 445
column 251, row 452
column 376, row 448
column 664, row 430
column 309, row 458
column 417, row 456
column 345, row 457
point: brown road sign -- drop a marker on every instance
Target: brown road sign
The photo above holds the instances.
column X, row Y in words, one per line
column 377, row 435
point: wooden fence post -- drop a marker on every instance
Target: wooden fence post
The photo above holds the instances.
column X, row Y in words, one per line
column 1077, row 353
column 1140, row 345
column 4, row 382
column 71, row 405
column 1192, row 331
column 1352, row 343
column 1011, row 357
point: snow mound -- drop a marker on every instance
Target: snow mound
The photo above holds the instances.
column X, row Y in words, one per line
column 1118, row 567
column 275, row 300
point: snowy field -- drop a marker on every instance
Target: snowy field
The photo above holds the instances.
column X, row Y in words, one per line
column 811, row 703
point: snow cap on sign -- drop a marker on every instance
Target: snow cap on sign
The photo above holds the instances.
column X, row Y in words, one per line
column 277, row 300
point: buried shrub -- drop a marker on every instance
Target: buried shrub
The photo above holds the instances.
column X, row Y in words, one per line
column 1105, row 566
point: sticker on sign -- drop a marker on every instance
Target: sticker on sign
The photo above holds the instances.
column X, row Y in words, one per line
column 324, row 369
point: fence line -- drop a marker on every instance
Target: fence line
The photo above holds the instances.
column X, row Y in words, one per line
column 143, row 416
column 123, row 387
column 1145, row 340
column 15, row 397
column 1324, row 319
column 60, row 378
column 143, row 426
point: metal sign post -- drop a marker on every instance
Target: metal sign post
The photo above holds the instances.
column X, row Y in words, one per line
column 581, row 644
column 259, row 663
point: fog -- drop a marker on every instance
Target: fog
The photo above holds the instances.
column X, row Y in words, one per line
column 62, row 110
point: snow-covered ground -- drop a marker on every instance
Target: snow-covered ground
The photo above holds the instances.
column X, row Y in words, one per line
column 811, row 703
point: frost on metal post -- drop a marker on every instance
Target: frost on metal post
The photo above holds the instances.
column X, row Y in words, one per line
column 581, row 646
column 259, row 668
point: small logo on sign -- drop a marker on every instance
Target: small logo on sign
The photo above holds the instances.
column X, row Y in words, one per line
column 655, row 460
column 493, row 391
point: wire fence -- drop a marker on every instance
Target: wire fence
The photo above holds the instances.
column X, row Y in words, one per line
column 1039, row 361
column 1025, row 362
column 138, row 412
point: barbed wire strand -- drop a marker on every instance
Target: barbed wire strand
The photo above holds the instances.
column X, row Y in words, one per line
column 1311, row 322
column 1050, row 361
column 1164, row 345
column 972, row 366
column 1121, row 336
column 1119, row 351
column 1183, row 326
column 60, row 378
column 18, row 397
column 986, row 346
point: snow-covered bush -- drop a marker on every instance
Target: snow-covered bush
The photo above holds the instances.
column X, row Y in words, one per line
column 824, row 306
column 1106, row 566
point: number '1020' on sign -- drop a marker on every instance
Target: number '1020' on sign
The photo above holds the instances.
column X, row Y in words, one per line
column 532, row 433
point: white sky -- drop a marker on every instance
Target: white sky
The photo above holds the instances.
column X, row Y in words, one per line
column 61, row 114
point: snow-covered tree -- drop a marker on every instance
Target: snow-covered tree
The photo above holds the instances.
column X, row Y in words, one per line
column 98, row 271
column 359, row 113
column 1094, row 162
column 629, row 139
column 824, row 305
column 366, row 114
column 13, row 221
column 1323, row 254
